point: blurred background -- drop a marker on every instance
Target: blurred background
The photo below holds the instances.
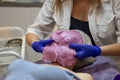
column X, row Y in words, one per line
column 21, row 13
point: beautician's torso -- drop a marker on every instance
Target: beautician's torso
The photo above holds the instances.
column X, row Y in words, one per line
column 101, row 22
column 79, row 17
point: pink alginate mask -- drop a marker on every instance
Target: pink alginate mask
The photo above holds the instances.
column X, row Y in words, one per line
column 59, row 50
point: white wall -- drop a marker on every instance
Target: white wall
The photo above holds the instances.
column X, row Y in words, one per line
column 17, row 16
column 22, row 17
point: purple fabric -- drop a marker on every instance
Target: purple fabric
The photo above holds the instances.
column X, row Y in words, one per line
column 117, row 77
column 103, row 68
column 59, row 50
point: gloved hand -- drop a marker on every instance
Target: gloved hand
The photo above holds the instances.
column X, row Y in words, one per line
column 84, row 51
column 39, row 45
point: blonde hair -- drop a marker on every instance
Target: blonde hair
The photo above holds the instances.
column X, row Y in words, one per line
column 58, row 4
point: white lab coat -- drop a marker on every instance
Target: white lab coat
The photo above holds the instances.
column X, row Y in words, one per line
column 104, row 23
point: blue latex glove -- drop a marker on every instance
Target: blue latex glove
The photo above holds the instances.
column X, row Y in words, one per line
column 84, row 51
column 38, row 46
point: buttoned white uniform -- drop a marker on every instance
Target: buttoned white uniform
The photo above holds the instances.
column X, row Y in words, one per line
column 104, row 22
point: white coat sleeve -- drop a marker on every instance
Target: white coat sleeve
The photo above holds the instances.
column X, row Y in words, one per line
column 116, row 8
column 44, row 22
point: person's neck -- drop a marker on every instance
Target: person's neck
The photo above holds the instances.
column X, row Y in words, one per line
column 84, row 1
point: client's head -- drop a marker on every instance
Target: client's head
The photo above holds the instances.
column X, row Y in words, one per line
column 59, row 51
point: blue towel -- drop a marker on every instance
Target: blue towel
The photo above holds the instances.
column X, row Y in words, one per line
column 24, row 70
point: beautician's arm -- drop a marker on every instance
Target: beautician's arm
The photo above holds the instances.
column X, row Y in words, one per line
column 30, row 38
column 44, row 22
column 113, row 49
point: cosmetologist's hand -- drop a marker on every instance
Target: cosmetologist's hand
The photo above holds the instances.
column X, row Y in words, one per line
column 84, row 50
column 38, row 46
